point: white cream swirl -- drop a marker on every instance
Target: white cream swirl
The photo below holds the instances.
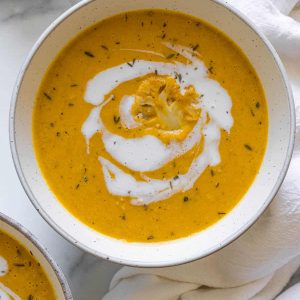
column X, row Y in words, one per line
column 149, row 153
column 5, row 292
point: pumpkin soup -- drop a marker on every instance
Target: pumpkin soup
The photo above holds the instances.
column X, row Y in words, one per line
column 21, row 276
column 150, row 126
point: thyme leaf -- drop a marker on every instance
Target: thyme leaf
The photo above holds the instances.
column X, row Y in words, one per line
column 211, row 70
column 19, row 265
column 116, row 119
column 194, row 48
column 89, row 54
column 47, row 96
column 169, row 56
column 248, row 147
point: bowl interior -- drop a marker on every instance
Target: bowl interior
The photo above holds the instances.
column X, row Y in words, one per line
column 275, row 163
column 55, row 276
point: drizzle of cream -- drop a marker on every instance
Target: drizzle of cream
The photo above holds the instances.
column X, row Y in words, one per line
column 127, row 119
column 5, row 292
column 148, row 153
column 144, row 154
column 144, row 51
column 152, row 190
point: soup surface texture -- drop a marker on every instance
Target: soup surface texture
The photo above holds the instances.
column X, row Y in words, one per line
column 21, row 276
column 150, row 126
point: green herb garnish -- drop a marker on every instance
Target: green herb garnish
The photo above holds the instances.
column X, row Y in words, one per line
column 116, row 119
column 170, row 55
column 195, row 47
column 47, row 96
column 19, row 265
column 179, row 76
column 248, row 147
column 89, row 54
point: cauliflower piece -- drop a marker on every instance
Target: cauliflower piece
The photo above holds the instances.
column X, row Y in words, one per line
column 159, row 103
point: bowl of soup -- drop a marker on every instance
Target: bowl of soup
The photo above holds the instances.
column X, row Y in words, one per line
column 152, row 133
column 26, row 269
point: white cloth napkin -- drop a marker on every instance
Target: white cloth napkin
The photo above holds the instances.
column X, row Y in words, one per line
column 260, row 263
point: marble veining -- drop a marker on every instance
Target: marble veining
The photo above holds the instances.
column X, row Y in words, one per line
column 15, row 10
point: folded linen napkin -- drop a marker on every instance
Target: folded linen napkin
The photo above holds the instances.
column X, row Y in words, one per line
column 260, row 263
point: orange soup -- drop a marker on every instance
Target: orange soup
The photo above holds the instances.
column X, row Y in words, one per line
column 21, row 275
column 150, row 126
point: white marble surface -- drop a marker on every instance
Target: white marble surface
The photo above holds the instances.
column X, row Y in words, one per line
column 21, row 22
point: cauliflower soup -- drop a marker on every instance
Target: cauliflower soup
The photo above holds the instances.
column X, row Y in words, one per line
column 150, row 126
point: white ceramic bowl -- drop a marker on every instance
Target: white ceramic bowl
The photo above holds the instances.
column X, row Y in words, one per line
column 278, row 154
column 24, row 237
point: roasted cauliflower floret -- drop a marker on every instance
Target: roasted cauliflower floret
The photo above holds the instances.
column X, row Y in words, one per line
column 159, row 103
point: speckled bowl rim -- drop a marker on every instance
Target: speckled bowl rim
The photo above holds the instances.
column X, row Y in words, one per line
column 234, row 236
column 29, row 236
